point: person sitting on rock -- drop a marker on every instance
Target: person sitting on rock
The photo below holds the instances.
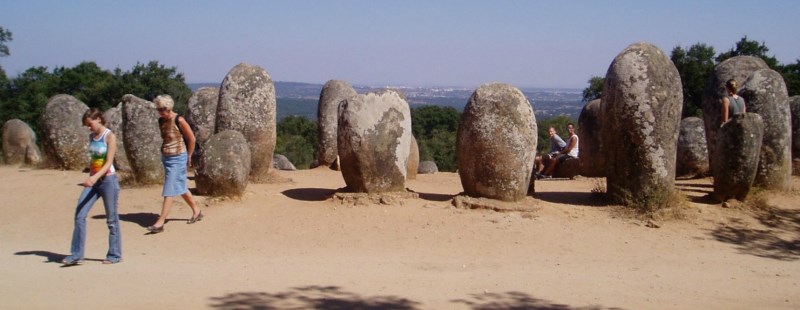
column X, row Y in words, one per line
column 556, row 145
column 570, row 151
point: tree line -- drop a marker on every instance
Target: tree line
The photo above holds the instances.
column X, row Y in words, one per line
column 697, row 62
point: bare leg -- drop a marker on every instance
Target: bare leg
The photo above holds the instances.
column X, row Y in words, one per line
column 187, row 196
column 165, row 207
column 551, row 166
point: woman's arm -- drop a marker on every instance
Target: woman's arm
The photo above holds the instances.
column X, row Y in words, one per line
column 725, row 104
column 187, row 132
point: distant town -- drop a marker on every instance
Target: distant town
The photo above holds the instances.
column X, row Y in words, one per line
column 300, row 99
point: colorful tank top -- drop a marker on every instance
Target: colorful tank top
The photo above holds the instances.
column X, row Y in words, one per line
column 98, row 152
column 172, row 139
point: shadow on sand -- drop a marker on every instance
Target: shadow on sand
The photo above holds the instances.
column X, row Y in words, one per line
column 335, row 298
column 573, row 198
column 309, row 194
column 780, row 241
column 141, row 219
column 54, row 257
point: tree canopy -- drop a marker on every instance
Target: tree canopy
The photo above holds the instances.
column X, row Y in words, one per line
column 696, row 63
column 25, row 96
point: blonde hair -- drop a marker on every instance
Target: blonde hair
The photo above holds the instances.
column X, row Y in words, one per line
column 730, row 85
column 164, row 101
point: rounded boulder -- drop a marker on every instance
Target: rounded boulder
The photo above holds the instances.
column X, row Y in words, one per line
column 496, row 143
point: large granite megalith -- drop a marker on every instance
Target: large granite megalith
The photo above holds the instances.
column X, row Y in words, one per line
column 374, row 133
column 247, row 105
column 692, row 156
column 412, row 166
column 65, row 139
column 224, row 165
column 641, row 108
column 794, row 106
column 142, row 139
column 332, row 94
column 592, row 161
column 202, row 113
column 113, row 117
column 765, row 94
column 738, row 145
column 496, row 143
column 19, row 144
column 738, row 68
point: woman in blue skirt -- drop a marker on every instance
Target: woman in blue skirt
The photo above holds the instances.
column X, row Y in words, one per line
column 177, row 158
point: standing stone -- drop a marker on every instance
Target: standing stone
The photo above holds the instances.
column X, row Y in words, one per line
column 202, row 113
column 592, row 161
column 19, row 144
column 374, row 134
column 692, row 157
column 280, row 162
column 738, row 68
column 224, row 165
column 142, row 139
column 427, row 167
column 496, row 143
column 641, row 108
column 113, row 117
column 247, row 105
column 765, row 94
column 738, row 143
column 413, row 160
column 794, row 106
column 332, row 94
column 65, row 139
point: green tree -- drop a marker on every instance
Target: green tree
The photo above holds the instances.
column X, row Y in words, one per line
column 153, row 79
column 27, row 96
column 297, row 140
column 88, row 83
column 5, row 36
column 595, row 89
column 791, row 75
column 747, row 47
column 435, row 129
column 694, row 65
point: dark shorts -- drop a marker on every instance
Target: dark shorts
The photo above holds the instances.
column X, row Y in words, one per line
column 563, row 158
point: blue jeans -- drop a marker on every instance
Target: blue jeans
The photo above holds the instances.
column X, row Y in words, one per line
column 108, row 189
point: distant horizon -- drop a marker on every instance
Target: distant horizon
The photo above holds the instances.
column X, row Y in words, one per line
column 377, row 85
column 443, row 43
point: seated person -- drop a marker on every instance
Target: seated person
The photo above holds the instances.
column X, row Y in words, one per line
column 570, row 151
column 556, row 144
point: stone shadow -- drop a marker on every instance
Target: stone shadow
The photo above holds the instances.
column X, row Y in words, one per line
column 780, row 240
column 517, row 301
column 573, row 198
column 142, row 219
column 311, row 297
column 309, row 194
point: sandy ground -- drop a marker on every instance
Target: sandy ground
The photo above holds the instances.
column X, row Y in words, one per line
column 286, row 245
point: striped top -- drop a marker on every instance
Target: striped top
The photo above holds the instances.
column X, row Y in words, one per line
column 172, row 139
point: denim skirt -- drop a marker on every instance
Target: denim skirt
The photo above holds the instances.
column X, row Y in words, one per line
column 174, row 175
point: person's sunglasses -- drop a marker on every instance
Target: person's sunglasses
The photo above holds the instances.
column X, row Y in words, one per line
column 162, row 110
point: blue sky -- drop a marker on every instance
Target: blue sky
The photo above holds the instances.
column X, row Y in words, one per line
column 434, row 43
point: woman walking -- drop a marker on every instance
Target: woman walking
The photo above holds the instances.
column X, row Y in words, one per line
column 101, row 183
column 176, row 159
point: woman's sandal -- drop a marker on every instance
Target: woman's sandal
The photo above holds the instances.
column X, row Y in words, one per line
column 155, row 229
column 109, row 262
column 195, row 219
